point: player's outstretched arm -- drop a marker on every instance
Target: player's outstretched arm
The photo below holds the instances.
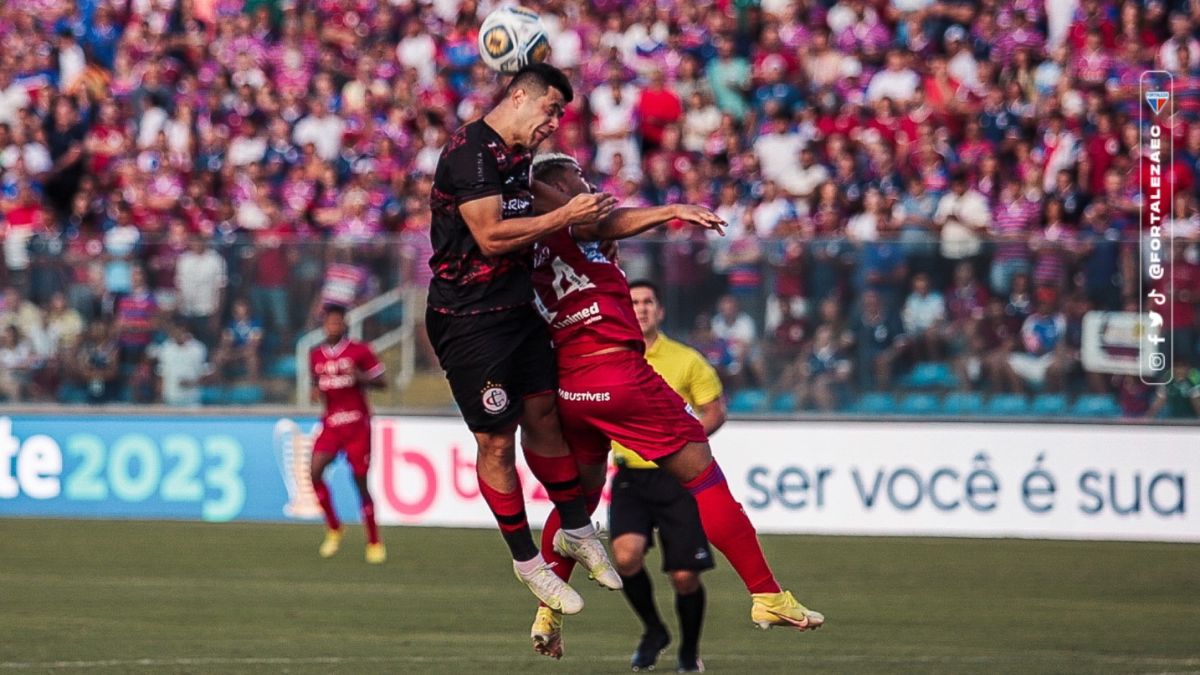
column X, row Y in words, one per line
column 622, row 223
column 497, row 235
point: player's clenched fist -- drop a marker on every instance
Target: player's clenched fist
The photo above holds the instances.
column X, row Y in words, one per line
column 698, row 215
column 589, row 208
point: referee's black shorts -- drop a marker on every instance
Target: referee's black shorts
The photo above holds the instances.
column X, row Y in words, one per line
column 645, row 499
column 493, row 361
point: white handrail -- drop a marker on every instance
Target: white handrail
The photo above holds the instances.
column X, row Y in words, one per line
column 402, row 335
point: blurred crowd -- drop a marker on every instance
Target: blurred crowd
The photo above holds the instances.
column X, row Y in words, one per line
column 907, row 182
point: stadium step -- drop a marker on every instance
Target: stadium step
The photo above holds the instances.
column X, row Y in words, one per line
column 283, row 367
column 213, row 395
column 784, row 403
column 875, row 403
column 748, row 401
column 929, row 375
column 428, row 389
column 920, row 404
column 962, row 403
column 1007, row 405
column 1096, row 405
column 1049, row 405
column 245, row 394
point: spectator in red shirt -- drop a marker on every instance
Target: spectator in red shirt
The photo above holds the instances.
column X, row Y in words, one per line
column 21, row 220
column 1091, row 19
column 657, row 108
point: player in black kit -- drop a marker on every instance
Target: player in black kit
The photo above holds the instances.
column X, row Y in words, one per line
column 494, row 348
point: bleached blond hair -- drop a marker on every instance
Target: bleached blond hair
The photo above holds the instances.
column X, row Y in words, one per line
column 547, row 161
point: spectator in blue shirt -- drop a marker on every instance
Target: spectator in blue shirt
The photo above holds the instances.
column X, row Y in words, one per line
column 880, row 342
column 776, row 93
column 1043, row 362
column 237, row 353
column 1100, row 241
column 101, row 37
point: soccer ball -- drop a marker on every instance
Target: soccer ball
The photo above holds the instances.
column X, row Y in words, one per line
column 512, row 38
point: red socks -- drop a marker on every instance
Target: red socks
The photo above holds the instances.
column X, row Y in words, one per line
column 368, row 518
column 326, row 502
column 728, row 528
column 560, row 476
column 325, row 499
column 509, row 511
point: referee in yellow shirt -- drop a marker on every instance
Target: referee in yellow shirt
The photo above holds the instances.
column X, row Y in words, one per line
column 644, row 498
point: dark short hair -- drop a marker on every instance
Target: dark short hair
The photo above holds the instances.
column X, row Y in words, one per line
column 538, row 77
column 646, row 283
column 331, row 308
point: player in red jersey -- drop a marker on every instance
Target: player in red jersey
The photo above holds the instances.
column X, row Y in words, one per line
column 608, row 392
column 342, row 369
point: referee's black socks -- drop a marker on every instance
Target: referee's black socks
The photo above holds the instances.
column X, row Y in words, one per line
column 640, row 595
column 690, row 609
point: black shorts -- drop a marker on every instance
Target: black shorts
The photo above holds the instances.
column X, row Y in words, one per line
column 493, row 361
column 645, row 499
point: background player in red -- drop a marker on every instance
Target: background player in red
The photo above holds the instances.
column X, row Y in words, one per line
column 608, row 392
column 342, row 369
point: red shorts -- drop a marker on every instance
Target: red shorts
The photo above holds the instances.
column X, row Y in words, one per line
column 619, row 397
column 353, row 438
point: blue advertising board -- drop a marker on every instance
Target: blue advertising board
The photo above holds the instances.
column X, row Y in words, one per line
column 212, row 468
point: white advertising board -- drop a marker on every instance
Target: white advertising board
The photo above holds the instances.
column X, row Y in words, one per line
column 978, row 480
column 423, row 473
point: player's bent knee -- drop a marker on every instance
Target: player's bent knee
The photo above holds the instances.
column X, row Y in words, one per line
column 685, row 582
column 541, row 432
column 628, row 565
column 496, row 448
column 541, row 408
column 629, row 554
column 688, row 462
column 316, row 470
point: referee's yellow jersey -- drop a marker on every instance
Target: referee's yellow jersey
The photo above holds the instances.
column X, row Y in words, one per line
column 688, row 373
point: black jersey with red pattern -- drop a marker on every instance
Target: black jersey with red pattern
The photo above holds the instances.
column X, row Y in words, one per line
column 476, row 163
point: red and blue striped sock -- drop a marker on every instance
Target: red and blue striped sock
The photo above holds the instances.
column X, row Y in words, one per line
column 728, row 528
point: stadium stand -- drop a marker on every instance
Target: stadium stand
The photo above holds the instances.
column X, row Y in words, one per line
column 926, row 184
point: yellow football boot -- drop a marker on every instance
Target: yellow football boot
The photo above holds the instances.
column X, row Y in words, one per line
column 376, row 553
column 547, row 633
column 333, row 541
column 781, row 609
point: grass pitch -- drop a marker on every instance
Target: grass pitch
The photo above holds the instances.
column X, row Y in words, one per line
column 143, row 597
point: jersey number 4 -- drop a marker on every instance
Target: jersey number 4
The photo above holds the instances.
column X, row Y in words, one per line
column 566, row 281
